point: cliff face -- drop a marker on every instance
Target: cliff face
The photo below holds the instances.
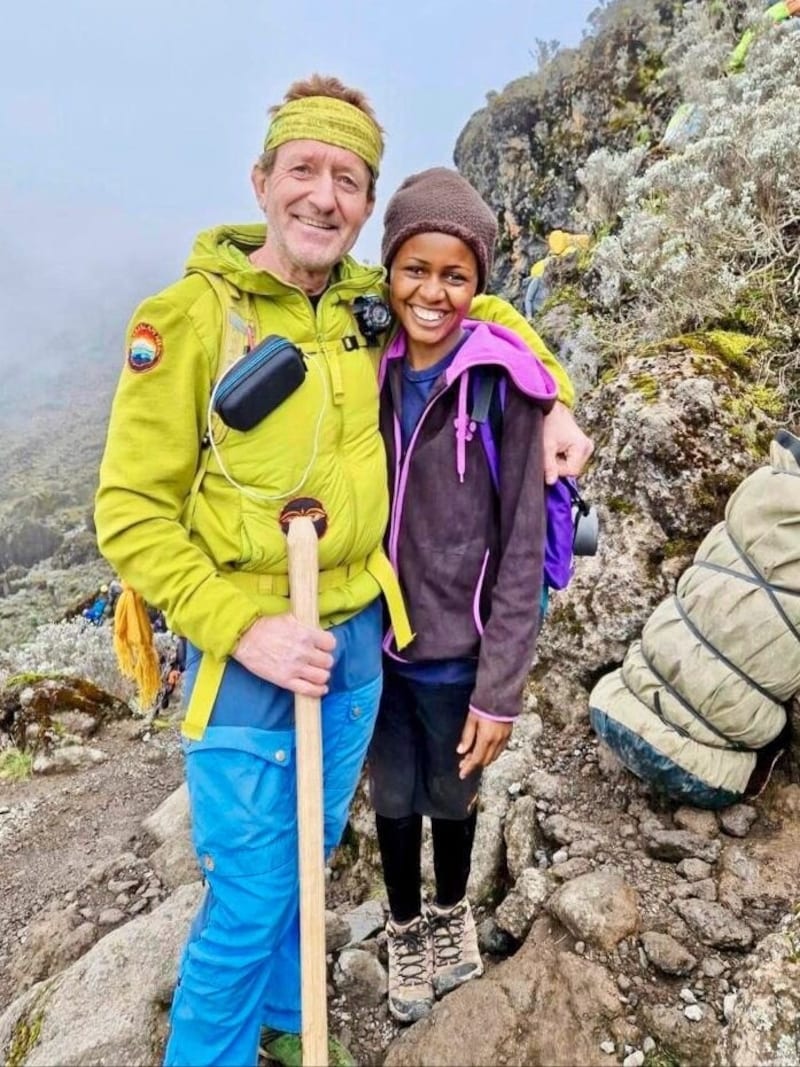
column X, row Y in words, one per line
column 523, row 149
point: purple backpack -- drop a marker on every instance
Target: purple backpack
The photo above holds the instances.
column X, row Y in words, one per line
column 565, row 506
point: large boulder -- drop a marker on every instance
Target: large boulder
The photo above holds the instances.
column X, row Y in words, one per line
column 109, row 1007
column 546, row 1005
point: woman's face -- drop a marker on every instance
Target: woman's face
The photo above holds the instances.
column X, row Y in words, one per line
column 432, row 281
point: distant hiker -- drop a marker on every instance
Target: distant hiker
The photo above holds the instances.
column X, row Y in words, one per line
column 177, row 666
column 470, row 566
column 114, row 590
column 97, row 611
column 192, row 508
column 777, row 14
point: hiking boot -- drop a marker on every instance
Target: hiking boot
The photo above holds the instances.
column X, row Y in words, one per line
column 410, row 969
column 287, row 1049
column 456, row 958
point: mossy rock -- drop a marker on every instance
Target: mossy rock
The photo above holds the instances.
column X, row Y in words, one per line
column 28, row 699
column 735, row 350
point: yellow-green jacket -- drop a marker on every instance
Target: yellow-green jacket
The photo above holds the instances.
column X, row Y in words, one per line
column 212, row 554
column 778, row 12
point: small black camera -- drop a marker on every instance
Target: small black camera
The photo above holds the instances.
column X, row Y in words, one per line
column 372, row 315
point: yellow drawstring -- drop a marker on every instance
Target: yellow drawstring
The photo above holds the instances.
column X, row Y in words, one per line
column 134, row 645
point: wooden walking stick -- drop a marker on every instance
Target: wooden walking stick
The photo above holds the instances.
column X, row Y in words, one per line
column 303, row 583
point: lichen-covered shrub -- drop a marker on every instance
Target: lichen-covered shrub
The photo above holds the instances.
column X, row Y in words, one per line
column 703, row 227
column 708, row 236
column 77, row 648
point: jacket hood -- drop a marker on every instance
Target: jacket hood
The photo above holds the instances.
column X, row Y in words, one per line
column 491, row 344
column 215, row 252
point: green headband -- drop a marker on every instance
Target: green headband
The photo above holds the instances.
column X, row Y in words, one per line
column 332, row 121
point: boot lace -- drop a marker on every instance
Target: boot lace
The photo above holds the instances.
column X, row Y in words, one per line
column 410, row 952
column 448, row 935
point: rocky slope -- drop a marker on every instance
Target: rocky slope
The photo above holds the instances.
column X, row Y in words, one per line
column 617, row 926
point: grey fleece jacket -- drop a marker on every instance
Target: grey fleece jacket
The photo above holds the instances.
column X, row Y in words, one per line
column 470, row 564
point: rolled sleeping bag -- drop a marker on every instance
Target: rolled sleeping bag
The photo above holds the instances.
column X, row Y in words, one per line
column 703, row 691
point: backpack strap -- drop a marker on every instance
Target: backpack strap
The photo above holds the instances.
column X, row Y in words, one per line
column 488, row 403
column 237, row 338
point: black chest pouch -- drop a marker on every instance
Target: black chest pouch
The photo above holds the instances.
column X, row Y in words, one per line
column 259, row 382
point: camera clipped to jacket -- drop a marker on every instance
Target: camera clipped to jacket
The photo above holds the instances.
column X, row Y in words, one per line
column 373, row 316
column 259, row 382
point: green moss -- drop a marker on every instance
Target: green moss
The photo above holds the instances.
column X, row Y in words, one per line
column 620, row 505
column 15, row 765
column 609, row 375
column 662, row 1057
column 679, row 546
column 17, row 681
column 566, row 616
column 647, row 385
column 711, row 495
column 23, row 1038
column 735, row 350
column 566, row 294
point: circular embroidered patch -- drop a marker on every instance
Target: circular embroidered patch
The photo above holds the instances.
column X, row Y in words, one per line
column 305, row 505
column 145, row 348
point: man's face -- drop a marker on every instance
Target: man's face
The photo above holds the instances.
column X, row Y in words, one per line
column 316, row 199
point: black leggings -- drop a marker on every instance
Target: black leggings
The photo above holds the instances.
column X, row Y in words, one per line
column 400, row 842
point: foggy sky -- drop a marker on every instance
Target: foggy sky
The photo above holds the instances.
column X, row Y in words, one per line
column 126, row 128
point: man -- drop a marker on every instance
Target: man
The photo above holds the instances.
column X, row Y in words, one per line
column 192, row 513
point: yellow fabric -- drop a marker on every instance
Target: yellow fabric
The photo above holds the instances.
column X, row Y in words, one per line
column 332, row 121
column 559, row 242
column 537, row 270
column 493, row 309
column 134, row 645
column 211, row 670
column 177, row 545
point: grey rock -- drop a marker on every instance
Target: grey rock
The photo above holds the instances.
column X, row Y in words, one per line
column 520, row 832
column 359, row 974
column 337, row 931
column 693, row 1012
column 66, row 759
column 696, row 821
column 175, row 861
column 676, row 845
column 571, row 868
column 110, row 917
column 525, row 901
column 714, row 924
column 738, row 819
column 542, row 785
column 493, row 940
column 365, row 920
column 106, row 1007
column 694, row 870
column 704, row 890
column 762, row 1015
column 667, row 954
column 599, row 907
column 713, row 967
column 170, row 817
column 562, row 829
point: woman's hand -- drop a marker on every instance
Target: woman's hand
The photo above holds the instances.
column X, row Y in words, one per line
column 482, row 741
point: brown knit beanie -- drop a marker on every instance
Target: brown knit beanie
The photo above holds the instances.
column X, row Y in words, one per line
column 440, row 201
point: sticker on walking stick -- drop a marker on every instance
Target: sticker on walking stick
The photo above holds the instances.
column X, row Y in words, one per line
column 310, row 508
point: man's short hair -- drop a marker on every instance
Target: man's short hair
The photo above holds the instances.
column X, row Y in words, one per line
column 322, row 85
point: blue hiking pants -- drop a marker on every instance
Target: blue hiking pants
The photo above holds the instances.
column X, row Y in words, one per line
column 241, row 965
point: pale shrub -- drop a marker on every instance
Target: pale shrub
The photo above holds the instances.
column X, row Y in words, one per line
column 80, row 649
column 715, row 228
